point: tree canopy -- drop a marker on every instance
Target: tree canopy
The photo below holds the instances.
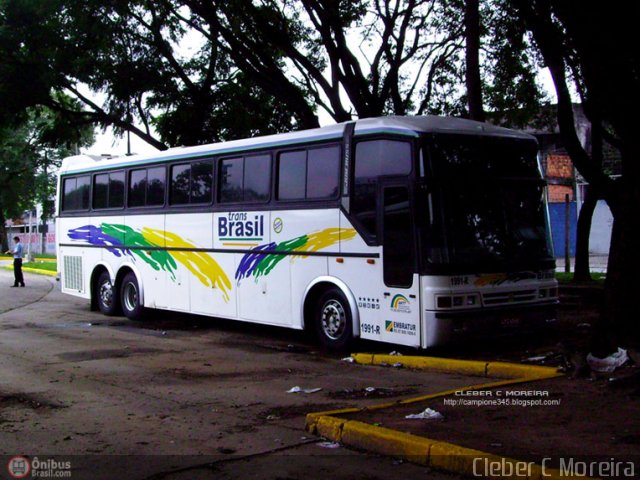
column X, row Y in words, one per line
column 187, row 72
column 593, row 48
column 30, row 152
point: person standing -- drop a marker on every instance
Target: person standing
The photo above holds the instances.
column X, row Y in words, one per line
column 17, row 262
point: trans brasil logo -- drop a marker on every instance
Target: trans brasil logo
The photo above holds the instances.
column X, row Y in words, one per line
column 239, row 229
column 399, row 303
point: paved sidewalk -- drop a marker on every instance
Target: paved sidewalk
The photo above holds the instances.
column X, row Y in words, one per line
column 37, row 286
column 597, row 263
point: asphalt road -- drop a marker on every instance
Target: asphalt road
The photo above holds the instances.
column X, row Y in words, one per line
column 178, row 396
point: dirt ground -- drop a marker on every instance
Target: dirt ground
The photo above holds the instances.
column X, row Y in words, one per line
column 583, row 415
column 190, row 399
column 581, row 418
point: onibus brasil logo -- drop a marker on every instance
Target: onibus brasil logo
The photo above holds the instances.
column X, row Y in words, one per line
column 19, row 467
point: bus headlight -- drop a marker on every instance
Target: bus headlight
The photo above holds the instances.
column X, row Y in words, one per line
column 551, row 292
column 467, row 300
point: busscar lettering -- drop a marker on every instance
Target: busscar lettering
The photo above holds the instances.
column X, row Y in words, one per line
column 239, row 225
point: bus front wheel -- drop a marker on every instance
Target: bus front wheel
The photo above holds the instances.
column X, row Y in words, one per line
column 334, row 324
column 131, row 305
column 106, row 295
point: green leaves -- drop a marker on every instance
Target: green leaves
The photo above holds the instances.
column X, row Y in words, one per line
column 189, row 72
column 30, row 151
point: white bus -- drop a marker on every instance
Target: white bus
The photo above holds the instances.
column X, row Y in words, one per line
column 408, row 230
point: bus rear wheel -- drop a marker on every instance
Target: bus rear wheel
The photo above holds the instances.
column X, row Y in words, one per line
column 130, row 297
column 333, row 322
column 106, row 295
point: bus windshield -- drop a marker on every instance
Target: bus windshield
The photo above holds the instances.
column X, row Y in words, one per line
column 486, row 205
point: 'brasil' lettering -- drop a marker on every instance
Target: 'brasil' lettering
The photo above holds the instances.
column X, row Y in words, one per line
column 237, row 226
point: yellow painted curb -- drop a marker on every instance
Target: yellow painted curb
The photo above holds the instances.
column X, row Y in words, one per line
column 313, row 418
column 514, row 370
column 386, row 441
column 453, row 365
column 40, row 272
column 434, row 453
column 330, row 427
column 48, row 260
column 34, row 270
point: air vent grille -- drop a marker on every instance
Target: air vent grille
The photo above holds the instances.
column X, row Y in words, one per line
column 72, row 273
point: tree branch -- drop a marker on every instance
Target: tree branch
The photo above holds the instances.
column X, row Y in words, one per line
column 539, row 19
column 106, row 118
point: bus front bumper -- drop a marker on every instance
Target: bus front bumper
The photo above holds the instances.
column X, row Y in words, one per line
column 470, row 325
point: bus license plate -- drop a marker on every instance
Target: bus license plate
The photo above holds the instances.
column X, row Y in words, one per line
column 510, row 322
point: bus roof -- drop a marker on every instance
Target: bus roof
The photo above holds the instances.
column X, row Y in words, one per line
column 399, row 125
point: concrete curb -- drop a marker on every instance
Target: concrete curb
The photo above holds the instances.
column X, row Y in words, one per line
column 425, row 451
column 39, row 259
column 466, row 367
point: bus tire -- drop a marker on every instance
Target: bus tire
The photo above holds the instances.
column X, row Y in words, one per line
column 130, row 297
column 333, row 320
column 106, row 295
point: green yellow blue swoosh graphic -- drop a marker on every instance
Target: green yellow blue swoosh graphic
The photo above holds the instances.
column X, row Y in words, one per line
column 115, row 236
column 263, row 258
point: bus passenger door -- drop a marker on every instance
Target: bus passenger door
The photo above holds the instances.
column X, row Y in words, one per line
column 401, row 282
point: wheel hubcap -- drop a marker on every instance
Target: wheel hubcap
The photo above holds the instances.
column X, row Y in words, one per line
column 334, row 319
column 130, row 296
column 106, row 294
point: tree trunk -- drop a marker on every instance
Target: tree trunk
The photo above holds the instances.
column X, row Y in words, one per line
column 618, row 324
column 472, row 52
column 3, row 232
column 582, row 271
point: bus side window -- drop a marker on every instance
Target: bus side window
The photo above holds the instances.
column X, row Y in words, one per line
column 201, row 182
column 309, row 174
column 257, row 178
column 375, row 159
column 146, row 187
column 116, row 190
column 292, row 174
column 137, row 188
column 76, row 193
column 156, row 181
column 108, row 190
column 323, row 172
column 83, row 188
column 180, row 184
column 101, row 191
column 245, row 179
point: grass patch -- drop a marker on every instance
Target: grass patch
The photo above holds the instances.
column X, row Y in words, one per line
column 45, row 256
column 567, row 278
column 50, row 266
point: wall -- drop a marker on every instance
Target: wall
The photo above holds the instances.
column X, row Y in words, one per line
column 601, row 226
column 33, row 244
column 557, row 218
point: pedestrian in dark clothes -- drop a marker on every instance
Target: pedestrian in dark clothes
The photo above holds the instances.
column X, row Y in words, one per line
column 17, row 262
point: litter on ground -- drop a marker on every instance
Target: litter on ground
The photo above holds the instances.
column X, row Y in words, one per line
column 428, row 414
column 297, row 389
column 608, row 364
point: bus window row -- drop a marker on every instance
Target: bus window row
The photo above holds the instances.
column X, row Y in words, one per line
column 302, row 174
